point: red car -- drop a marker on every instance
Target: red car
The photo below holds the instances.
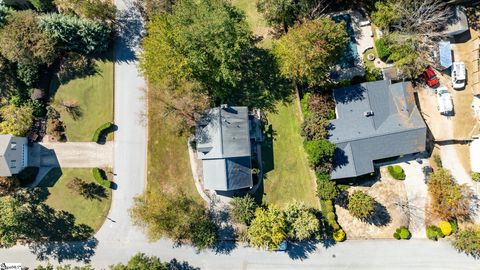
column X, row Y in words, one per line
column 430, row 77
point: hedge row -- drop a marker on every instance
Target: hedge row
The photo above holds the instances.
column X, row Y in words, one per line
column 98, row 175
column 396, row 172
column 101, row 131
column 331, row 219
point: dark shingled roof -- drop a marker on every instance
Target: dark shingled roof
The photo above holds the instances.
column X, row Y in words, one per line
column 395, row 127
column 223, row 143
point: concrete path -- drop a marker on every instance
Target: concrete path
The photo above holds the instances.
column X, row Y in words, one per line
column 75, row 154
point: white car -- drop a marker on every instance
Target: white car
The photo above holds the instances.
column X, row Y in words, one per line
column 458, row 75
column 445, row 101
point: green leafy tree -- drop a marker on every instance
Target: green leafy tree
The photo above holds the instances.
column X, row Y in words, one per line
column 28, row 74
column 308, row 51
column 448, row 199
column 268, row 229
column 203, row 40
column 243, row 209
column 385, row 14
column 319, row 151
column 64, row 267
column 361, row 205
column 98, row 10
column 301, row 221
column 176, row 216
column 141, row 262
column 76, row 34
column 15, row 121
column 23, row 41
column 468, row 241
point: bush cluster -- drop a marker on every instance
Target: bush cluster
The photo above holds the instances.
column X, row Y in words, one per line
column 101, row 131
column 434, row 232
column 329, row 213
column 475, row 176
column 99, row 176
column 402, row 233
column 339, row 236
column 438, row 161
column 361, row 205
column 383, row 50
column 396, row 172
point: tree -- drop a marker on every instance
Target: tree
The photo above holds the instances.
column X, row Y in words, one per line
column 64, row 267
column 447, row 198
column 141, row 262
column 284, row 13
column 326, row 188
column 468, row 241
column 319, row 151
column 15, row 121
column 23, row 41
column 361, row 205
column 301, row 221
column 8, row 185
column 268, row 229
column 243, row 209
column 200, row 40
column 385, row 14
column 315, row 127
column 308, row 51
column 76, row 34
column 154, row 7
column 8, row 222
column 176, row 216
column 98, row 10
column 42, row 5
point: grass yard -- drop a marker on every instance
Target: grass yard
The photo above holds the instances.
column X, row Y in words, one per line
column 255, row 20
column 94, row 95
column 90, row 212
column 288, row 175
column 167, row 161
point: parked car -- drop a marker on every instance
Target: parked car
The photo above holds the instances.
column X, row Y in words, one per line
column 458, row 75
column 430, row 77
column 445, row 101
column 427, row 170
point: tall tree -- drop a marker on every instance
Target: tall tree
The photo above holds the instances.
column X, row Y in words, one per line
column 449, row 199
column 308, row 51
column 23, row 41
column 141, row 262
column 75, row 34
column 301, row 221
column 203, row 40
column 15, row 121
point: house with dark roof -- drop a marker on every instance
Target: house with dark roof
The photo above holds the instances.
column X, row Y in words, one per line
column 223, row 145
column 374, row 121
column 13, row 154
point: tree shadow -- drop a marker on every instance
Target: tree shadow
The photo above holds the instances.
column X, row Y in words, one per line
column 76, row 67
column 130, row 30
column 177, row 265
column 60, row 251
column 302, row 249
column 94, row 191
column 51, row 178
column 226, row 234
column 268, row 161
column 261, row 85
column 380, row 216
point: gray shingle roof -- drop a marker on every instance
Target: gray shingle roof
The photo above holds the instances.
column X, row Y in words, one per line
column 223, row 143
column 395, row 128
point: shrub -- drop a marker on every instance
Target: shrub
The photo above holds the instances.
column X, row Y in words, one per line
column 314, row 127
column 36, row 94
column 326, row 189
column 396, row 172
column 319, row 151
column 304, row 104
column 330, row 215
column 438, row 161
column 434, row 232
column 329, row 206
column 467, row 241
column 101, row 131
column 403, row 232
column 445, row 227
column 373, row 74
column 28, row 74
column 475, row 176
column 301, row 221
column 361, row 205
column 323, row 104
column 453, row 223
column 396, row 236
column 99, row 176
column 334, row 225
column 55, row 129
column 243, row 209
column 383, row 50
column 339, row 236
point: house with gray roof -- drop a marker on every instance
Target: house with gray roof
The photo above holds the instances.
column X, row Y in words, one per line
column 374, row 121
column 13, row 154
column 223, row 145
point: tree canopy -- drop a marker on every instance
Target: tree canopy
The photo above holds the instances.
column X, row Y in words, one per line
column 243, row 209
column 301, row 221
column 15, row 121
column 268, row 229
column 203, row 40
column 308, row 51
column 142, row 262
column 99, row 10
column 361, row 205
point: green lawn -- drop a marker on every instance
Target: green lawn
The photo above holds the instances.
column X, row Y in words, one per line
column 89, row 212
column 255, row 20
column 94, row 95
column 288, row 176
column 167, row 156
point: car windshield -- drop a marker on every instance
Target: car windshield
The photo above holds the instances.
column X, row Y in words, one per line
column 459, row 81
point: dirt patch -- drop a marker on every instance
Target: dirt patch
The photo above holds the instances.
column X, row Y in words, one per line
column 389, row 195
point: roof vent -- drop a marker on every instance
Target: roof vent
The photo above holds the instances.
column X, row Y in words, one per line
column 368, row 113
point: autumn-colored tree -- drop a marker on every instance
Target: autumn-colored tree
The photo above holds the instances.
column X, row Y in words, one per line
column 308, row 51
column 448, row 199
column 15, row 120
column 468, row 241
